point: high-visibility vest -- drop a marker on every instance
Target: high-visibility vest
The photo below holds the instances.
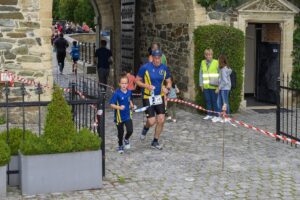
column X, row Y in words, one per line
column 210, row 75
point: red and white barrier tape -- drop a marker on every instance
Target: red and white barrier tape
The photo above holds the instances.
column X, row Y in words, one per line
column 243, row 124
column 274, row 135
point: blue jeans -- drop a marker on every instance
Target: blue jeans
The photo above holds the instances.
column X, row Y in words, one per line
column 211, row 101
column 223, row 97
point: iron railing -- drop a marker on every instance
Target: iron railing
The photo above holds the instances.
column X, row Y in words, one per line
column 288, row 109
column 87, row 52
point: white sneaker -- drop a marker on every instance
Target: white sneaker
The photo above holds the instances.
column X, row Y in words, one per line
column 207, row 117
column 216, row 119
column 127, row 144
column 169, row 118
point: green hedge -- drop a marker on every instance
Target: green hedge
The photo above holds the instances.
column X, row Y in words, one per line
column 295, row 82
column 4, row 153
column 223, row 40
column 15, row 138
column 60, row 135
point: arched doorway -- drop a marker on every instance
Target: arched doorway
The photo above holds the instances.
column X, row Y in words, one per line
column 268, row 26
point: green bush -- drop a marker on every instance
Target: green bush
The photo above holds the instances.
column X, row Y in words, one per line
column 60, row 134
column 85, row 140
column 4, row 153
column 15, row 138
column 295, row 82
column 2, row 120
column 59, row 127
column 223, row 40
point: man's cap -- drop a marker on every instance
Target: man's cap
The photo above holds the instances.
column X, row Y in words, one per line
column 156, row 52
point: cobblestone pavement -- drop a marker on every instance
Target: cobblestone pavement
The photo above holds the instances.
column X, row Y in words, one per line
column 190, row 165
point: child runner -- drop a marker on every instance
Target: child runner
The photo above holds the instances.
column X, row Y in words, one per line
column 172, row 105
column 75, row 54
column 122, row 103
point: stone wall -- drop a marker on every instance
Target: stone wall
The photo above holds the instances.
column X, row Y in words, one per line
column 25, row 49
column 174, row 40
column 84, row 37
column 24, row 41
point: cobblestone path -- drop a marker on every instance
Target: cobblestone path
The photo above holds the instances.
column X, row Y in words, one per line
column 190, row 165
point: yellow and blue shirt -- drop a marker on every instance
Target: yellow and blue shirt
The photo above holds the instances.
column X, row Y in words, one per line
column 155, row 76
column 120, row 98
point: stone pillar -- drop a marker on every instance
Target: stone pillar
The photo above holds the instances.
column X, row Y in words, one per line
column 287, row 46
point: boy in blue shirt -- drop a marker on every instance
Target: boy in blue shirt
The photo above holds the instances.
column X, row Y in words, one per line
column 121, row 102
column 75, row 54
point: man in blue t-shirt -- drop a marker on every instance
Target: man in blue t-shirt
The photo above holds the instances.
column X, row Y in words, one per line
column 150, row 78
column 104, row 56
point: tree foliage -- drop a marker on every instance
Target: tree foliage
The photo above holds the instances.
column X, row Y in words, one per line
column 223, row 40
column 84, row 12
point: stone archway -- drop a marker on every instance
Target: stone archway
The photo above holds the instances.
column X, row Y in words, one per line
column 279, row 12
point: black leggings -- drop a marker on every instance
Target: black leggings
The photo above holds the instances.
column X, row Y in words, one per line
column 129, row 130
column 61, row 60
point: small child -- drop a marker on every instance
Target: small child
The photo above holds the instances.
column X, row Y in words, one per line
column 172, row 105
column 131, row 79
column 75, row 54
column 121, row 102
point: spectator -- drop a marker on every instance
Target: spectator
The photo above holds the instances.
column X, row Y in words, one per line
column 104, row 56
column 85, row 28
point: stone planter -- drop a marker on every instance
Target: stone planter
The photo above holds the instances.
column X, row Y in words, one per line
column 3, row 182
column 14, row 165
column 61, row 172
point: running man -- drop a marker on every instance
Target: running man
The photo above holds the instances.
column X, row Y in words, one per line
column 150, row 78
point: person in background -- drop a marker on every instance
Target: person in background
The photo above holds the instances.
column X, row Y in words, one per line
column 104, row 56
column 131, row 79
column 156, row 46
column 61, row 44
column 121, row 102
column 75, row 54
column 224, row 86
column 85, row 27
column 172, row 105
column 208, row 82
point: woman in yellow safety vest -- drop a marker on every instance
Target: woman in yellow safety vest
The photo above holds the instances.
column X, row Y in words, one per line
column 208, row 82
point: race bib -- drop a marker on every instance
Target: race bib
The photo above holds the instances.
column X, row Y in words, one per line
column 155, row 100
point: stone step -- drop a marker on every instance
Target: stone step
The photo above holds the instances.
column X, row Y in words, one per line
column 8, row 8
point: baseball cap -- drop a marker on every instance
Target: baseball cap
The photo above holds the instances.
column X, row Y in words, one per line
column 156, row 52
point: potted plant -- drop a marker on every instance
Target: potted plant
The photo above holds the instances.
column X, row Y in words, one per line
column 61, row 159
column 15, row 139
column 4, row 160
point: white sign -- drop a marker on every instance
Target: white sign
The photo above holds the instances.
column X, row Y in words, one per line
column 5, row 77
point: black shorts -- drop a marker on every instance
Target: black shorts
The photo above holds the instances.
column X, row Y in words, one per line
column 156, row 109
column 75, row 60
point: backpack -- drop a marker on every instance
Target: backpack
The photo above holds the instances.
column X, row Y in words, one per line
column 233, row 79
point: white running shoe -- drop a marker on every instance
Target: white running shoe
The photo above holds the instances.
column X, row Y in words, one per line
column 207, row 117
column 127, row 144
column 216, row 119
